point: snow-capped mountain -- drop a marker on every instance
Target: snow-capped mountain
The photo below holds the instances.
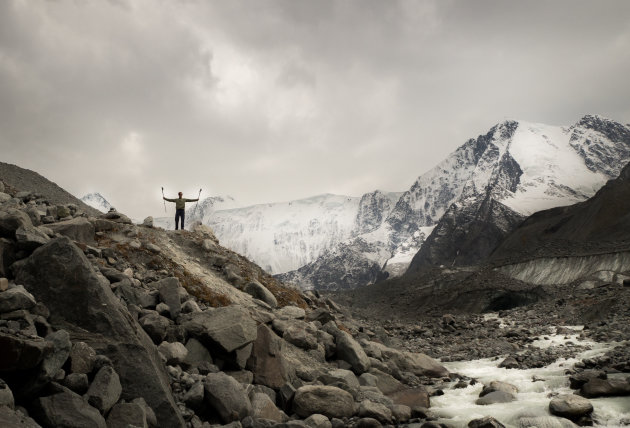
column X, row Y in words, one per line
column 97, row 201
column 284, row 236
column 468, row 202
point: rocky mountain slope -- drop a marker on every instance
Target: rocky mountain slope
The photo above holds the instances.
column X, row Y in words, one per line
column 107, row 323
column 16, row 177
column 97, row 201
column 469, row 202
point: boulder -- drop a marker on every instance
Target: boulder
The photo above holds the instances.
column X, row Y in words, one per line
column 486, row 422
column 7, row 256
column 330, row 401
column 495, row 397
column 412, row 397
column 29, row 237
column 230, row 327
column 509, row 363
column 386, row 383
column 496, row 385
column 59, row 274
column 577, row 380
column 263, row 407
column 4, row 284
column 197, row 353
column 291, row 312
column 194, row 397
column 318, row 421
column 133, row 295
column 127, row 414
column 82, row 358
column 155, row 325
column 15, row 418
column 22, row 354
column 10, row 220
column 260, row 292
column 570, row 406
column 378, row 411
column 266, row 360
column 400, row 412
column 169, row 294
column 105, row 389
column 66, row 409
column 416, row 363
column 320, row 314
column 227, row 397
column 605, row 388
column 6, row 396
column 78, row 229
column 340, row 376
column 300, row 337
column 175, row 353
column 148, row 222
column 374, row 423
column 16, row 298
column 350, row 351
column 77, row 382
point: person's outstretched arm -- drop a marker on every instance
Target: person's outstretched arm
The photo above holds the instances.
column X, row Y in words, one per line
column 168, row 200
column 192, row 200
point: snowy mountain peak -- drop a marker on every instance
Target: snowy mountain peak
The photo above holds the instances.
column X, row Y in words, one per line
column 97, row 201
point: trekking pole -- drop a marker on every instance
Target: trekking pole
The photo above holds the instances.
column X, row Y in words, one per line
column 197, row 200
column 163, row 199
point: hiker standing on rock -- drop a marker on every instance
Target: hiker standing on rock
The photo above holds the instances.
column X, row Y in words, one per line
column 180, row 208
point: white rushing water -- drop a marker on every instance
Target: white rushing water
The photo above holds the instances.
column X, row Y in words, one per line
column 536, row 386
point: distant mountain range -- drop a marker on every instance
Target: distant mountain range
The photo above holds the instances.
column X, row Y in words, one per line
column 454, row 214
column 97, row 201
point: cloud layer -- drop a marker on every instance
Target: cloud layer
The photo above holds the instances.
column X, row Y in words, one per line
column 277, row 100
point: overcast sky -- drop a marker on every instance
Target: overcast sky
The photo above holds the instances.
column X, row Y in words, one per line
column 278, row 100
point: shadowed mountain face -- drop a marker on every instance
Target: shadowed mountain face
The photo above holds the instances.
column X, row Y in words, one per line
column 599, row 224
column 21, row 178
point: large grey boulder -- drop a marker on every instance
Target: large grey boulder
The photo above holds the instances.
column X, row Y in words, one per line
column 127, row 414
column 227, row 397
column 169, row 294
column 197, row 353
column 350, row 351
column 495, row 397
column 260, row 292
column 230, row 327
column 105, row 389
column 15, row 418
column 81, row 301
column 378, row 411
column 175, row 353
column 496, row 385
column 605, row 388
column 16, row 298
column 570, row 406
column 263, row 407
column 291, row 312
column 78, row 229
column 66, row 409
column 29, row 237
column 82, row 357
column 10, row 220
column 416, row 363
column 326, row 400
column 19, row 353
column 266, row 361
column 7, row 256
column 485, row 422
column 155, row 326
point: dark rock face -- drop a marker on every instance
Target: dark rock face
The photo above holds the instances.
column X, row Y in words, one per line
column 59, row 274
column 266, row 361
column 67, row 409
column 78, row 229
column 373, row 209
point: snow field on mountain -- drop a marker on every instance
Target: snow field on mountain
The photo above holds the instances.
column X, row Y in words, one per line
column 554, row 174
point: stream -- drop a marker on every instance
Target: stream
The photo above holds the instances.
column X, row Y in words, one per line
column 536, row 387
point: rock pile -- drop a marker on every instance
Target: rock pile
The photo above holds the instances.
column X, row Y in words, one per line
column 99, row 327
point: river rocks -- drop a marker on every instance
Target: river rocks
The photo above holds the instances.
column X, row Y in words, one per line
column 495, row 397
column 412, row 397
column 259, row 291
column 263, row 407
column 227, row 397
column 318, row 421
column 67, row 409
column 570, row 406
column 498, row 386
column 577, row 380
column 78, row 229
column 326, row 400
column 509, row 363
column 350, row 351
column 487, row 422
column 378, row 411
column 605, row 388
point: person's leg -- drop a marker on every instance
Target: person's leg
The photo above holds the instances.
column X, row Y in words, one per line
column 183, row 218
column 177, row 216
